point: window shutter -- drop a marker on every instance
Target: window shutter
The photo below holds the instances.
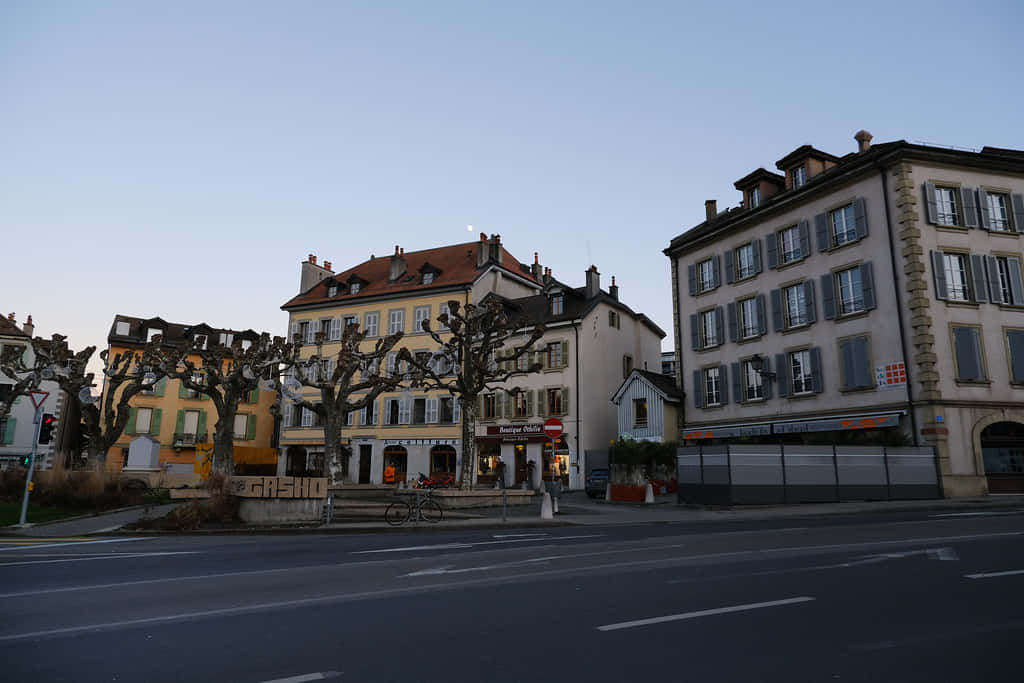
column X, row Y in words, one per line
column 777, row 322
column 691, row 272
column 719, row 324
column 375, row 416
column 816, row 380
column 970, row 206
column 756, row 244
column 931, row 204
column 694, row 332
column 992, row 276
column 311, row 332
column 737, row 394
column 154, row 422
column 939, row 273
column 404, row 411
column 456, row 410
column 810, row 309
column 481, row 404
column 867, row 284
column 771, row 246
column 860, row 217
column 847, row 372
column 804, row 228
column 431, row 417
column 542, row 403
column 10, row 424
column 729, row 267
column 307, row 416
column 565, row 354
column 821, row 231
column 862, row 363
column 1015, row 338
column 766, row 384
column 529, row 403
column 336, row 329
column 1017, row 202
column 731, row 308
column 179, row 421
column 968, row 355
column 295, row 331
column 1016, row 286
column 762, row 322
column 986, row 222
column 716, row 270
column 130, row 427
column 201, row 426
column 182, row 391
column 978, row 278
column 698, row 393
column 828, row 296
column 565, row 400
column 723, row 382
column 161, row 387
column 782, row 374
column 250, row 427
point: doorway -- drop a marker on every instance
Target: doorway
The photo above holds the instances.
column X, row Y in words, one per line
column 365, row 453
column 399, row 457
column 520, row 461
column 1002, row 450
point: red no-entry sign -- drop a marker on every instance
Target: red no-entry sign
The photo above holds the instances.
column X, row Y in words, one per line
column 553, row 427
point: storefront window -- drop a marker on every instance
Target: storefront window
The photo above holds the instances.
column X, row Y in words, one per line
column 556, row 466
column 442, row 460
column 488, row 457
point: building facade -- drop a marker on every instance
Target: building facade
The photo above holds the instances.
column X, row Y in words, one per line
column 647, row 406
column 874, row 297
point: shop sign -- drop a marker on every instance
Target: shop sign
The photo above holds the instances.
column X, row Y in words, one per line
column 516, row 430
column 421, row 442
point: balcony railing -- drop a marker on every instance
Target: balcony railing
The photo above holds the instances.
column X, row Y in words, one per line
column 188, row 440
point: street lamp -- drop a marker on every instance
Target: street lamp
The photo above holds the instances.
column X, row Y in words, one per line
column 758, row 364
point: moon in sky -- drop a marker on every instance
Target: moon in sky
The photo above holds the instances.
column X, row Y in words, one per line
column 469, row 228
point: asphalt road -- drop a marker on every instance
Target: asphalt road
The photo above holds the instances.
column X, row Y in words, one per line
column 925, row 597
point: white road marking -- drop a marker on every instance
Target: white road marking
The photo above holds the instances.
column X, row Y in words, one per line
column 115, row 556
column 702, row 613
column 316, row 676
column 989, row 575
column 57, row 545
column 979, row 514
column 518, row 535
column 449, row 546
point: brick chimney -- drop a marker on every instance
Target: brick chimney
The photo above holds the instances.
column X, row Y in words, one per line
column 483, row 253
column 28, row 328
column 711, row 209
column 863, row 139
column 496, row 250
column 536, row 269
column 398, row 264
column 310, row 274
column 593, row 280
column 613, row 291
column 547, row 275
column 327, row 266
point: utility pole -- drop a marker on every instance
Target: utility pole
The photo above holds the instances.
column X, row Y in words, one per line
column 38, row 399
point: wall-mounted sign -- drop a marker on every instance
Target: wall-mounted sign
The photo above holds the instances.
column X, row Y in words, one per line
column 891, row 376
column 279, row 487
column 421, row 442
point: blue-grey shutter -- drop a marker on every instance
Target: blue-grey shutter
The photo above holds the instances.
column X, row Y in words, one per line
column 756, row 245
column 983, row 213
column 729, row 267
column 867, row 286
column 1017, row 202
column 863, row 377
column 846, row 364
column 694, row 332
column 1016, row 286
column 771, row 246
column 828, row 296
column 733, row 332
column 978, row 278
column 698, row 390
column 968, row 355
column 782, row 374
column 766, row 384
column 860, row 217
column 723, row 374
column 716, row 268
column 737, row 394
column 931, row 204
column 691, row 272
column 810, row 310
column 776, row 295
column 804, row 228
column 1015, row 339
column 939, row 273
column 816, row 380
column 821, row 231
column 970, row 206
column 995, row 291
column 762, row 322
column 719, row 324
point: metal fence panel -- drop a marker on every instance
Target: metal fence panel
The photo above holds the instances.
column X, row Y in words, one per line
column 810, row 466
column 860, row 465
column 716, row 465
column 688, row 468
column 914, row 466
column 757, row 465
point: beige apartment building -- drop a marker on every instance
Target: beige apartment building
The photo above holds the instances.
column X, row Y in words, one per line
column 870, row 298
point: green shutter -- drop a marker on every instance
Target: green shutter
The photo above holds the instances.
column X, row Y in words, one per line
column 201, row 427
column 130, row 427
column 250, row 428
column 565, row 354
column 182, row 391
column 179, row 423
column 529, row 403
column 542, row 402
column 154, row 422
column 254, row 396
column 565, row 400
column 7, row 437
column 160, row 387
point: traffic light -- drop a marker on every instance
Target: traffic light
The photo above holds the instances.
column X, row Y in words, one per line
column 25, row 460
column 46, row 428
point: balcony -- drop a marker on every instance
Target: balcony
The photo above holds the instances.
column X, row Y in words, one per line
column 189, row 440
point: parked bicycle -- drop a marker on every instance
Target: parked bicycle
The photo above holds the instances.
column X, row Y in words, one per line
column 426, row 508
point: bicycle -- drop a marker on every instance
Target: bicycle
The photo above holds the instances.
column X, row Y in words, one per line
column 427, row 510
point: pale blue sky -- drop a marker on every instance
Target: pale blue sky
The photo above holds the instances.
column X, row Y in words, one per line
column 181, row 159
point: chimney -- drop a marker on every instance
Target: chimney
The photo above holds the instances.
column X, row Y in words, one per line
column 711, row 209
column 535, row 269
column 10, row 316
column 613, row 291
column 327, row 266
column 496, row 250
column 593, row 279
column 863, row 139
column 28, row 327
column 310, row 274
column 547, row 275
column 397, row 264
column 483, row 251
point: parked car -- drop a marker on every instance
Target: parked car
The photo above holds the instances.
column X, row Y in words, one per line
column 596, row 482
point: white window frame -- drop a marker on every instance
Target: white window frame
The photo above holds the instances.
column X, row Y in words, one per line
column 557, row 304
column 139, row 413
column 794, row 305
column 709, row 329
column 946, row 210
column 799, row 176
column 999, row 212
column 419, row 314
column 152, row 332
column 246, row 344
column 705, row 275
column 749, row 319
column 428, row 277
column 123, row 329
column 396, row 321
column 712, row 386
column 195, row 428
column 842, row 223
column 800, row 372
column 520, row 406
column 332, row 290
column 849, row 291
column 355, row 287
column 637, row 422
column 754, row 195
column 789, row 245
column 245, row 426
column 957, row 268
column 1004, row 284
column 743, row 260
column 753, row 383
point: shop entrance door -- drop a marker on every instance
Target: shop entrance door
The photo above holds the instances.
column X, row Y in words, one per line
column 521, row 474
column 1002, row 449
column 365, row 453
column 557, row 466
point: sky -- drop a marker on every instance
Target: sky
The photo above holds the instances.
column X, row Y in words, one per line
column 181, row 159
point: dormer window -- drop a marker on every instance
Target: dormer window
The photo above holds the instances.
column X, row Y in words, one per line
column 798, row 176
column 152, row 332
column 557, row 304
column 226, row 338
column 428, row 277
column 123, row 328
column 332, row 290
column 754, row 198
column 354, row 288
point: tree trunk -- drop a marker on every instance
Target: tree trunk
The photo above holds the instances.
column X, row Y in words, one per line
column 224, row 442
column 468, row 471
column 332, row 449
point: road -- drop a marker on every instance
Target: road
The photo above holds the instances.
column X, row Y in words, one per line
column 909, row 597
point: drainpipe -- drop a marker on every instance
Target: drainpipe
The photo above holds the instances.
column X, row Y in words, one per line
column 899, row 305
column 576, row 333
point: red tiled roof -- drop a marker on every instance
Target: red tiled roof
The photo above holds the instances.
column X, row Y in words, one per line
column 457, row 264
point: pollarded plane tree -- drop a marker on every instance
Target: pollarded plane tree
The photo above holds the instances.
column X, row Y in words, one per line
column 465, row 364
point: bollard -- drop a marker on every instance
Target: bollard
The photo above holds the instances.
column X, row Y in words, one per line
column 554, row 505
column 649, row 494
column 608, row 492
column 545, row 507
column 504, row 505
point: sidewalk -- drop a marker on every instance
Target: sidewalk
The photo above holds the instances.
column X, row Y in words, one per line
column 92, row 524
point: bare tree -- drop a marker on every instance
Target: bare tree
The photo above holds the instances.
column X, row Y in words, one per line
column 225, row 374
column 465, row 363
column 24, row 380
column 350, row 372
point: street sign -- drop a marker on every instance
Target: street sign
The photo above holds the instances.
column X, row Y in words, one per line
column 553, row 427
column 38, row 397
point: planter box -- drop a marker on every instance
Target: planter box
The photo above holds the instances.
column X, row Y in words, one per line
column 629, row 493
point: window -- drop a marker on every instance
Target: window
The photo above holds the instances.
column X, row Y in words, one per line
column 447, row 410
column 790, row 249
column 557, row 304
column 998, row 216
column 798, row 176
column 191, row 426
column 754, row 197
column 555, row 355
column 945, row 206
column 520, row 404
column 443, row 310
column 743, row 258
column 420, row 313
column 371, row 324
column 303, row 331
column 705, row 275
column 639, row 412
column 1003, row 280
column 556, row 406
column 355, row 287
column 143, row 420
column 325, row 328
column 956, row 268
column 241, row 426
column 613, row 319
column 753, row 383
column 490, row 406
column 152, row 332
column 246, row 344
column 712, row 386
column 419, row 411
column 750, row 324
column 970, row 365
column 851, row 293
column 392, row 412
column 801, row 377
column 709, row 329
column 123, row 328
column 332, row 290
column 428, row 277
column 523, row 362
column 627, row 366
column 795, row 305
column 842, row 225
column 391, row 363
column 396, row 321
